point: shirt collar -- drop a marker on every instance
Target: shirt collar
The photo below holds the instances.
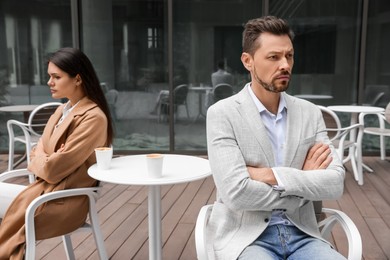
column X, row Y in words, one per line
column 261, row 107
column 68, row 108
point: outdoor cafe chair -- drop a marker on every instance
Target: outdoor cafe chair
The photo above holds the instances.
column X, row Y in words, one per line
column 332, row 217
column 30, row 131
column 381, row 130
column 338, row 136
column 92, row 193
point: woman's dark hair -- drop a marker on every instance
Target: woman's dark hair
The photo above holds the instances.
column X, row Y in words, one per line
column 266, row 24
column 73, row 61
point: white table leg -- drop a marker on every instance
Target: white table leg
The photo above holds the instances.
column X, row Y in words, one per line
column 154, row 208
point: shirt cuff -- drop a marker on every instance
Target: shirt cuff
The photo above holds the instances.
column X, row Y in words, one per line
column 279, row 186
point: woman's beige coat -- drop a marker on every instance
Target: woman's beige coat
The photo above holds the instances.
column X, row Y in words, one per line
column 84, row 129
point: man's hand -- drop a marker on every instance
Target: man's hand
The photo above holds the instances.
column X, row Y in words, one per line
column 318, row 157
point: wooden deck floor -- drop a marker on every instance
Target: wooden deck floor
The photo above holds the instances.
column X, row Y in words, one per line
column 124, row 223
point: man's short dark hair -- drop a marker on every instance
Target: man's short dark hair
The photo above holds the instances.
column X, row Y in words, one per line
column 255, row 27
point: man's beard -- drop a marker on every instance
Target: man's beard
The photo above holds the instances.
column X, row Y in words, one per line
column 271, row 87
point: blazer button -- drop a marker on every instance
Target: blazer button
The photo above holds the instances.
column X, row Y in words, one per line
column 266, row 220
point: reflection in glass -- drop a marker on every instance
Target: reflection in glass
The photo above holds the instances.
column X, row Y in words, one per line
column 27, row 35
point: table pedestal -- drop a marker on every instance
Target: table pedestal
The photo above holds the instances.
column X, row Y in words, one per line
column 154, row 209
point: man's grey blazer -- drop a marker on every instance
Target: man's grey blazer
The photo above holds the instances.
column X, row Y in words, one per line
column 237, row 138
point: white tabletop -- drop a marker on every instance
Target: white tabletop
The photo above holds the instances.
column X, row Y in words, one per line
column 200, row 88
column 356, row 109
column 132, row 170
column 18, row 108
column 313, row 96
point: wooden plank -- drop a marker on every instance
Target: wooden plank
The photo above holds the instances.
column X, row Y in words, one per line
column 177, row 242
column 381, row 233
column 123, row 214
column 371, row 249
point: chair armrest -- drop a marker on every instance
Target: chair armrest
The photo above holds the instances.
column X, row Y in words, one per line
column 350, row 229
column 200, row 234
column 380, row 115
column 91, row 192
column 15, row 173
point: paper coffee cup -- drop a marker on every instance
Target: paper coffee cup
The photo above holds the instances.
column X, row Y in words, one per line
column 103, row 157
column 154, row 163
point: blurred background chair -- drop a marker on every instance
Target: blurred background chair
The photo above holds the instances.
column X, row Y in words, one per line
column 179, row 98
column 92, row 193
column 376, row 95
column 382, row 131
column 28, row 133
column 338, row 136
column 222, row 91
column 332, row 217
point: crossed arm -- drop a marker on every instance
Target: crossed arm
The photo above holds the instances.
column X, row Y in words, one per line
column 316, row 158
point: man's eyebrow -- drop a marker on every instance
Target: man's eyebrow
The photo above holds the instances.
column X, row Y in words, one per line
column 279, row 52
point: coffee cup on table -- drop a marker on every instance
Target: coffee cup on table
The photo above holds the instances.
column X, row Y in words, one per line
column 103, row 157
column 154, row 164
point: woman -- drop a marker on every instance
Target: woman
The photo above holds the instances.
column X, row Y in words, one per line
column 63, row 154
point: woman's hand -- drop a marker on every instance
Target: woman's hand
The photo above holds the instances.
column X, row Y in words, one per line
column 60, row 149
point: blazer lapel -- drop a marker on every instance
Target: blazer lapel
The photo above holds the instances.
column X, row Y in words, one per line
column 248, row 110
column 294, row 128
column 84, row 105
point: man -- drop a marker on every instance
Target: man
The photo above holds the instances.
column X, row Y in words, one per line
column 221, row 75
column 270, row 157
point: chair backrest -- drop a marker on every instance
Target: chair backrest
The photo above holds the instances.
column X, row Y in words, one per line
column 330, row 218
column 387, row 113
column 377, row 95
column 180, row 94
column 40, row 115
column 332, row 121
column 222, row 91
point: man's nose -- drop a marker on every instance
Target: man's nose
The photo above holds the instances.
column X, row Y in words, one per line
column 285, row 64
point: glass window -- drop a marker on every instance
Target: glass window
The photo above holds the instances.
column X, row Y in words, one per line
column 377, row 80
column 127, row 42
column 377, row 69
column 27, row 35
column 205, row 34
column 326, row 48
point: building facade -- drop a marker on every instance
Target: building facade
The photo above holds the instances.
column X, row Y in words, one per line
column 142, row 48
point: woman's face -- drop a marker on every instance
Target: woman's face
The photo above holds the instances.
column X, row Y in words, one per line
column 60, row 83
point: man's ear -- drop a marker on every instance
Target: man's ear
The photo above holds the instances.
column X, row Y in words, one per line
column 247, row 60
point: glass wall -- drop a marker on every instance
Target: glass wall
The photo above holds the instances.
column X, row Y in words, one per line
column 377, row 69
column 158, row 60
column 27, row 35
column 127, row 42
column 202, row 37
column 326, row 48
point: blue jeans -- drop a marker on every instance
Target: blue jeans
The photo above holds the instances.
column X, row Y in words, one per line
column 288, row 242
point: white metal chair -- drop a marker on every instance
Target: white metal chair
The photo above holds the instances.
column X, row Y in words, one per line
column 381, row 130
column 326, row 225
column 338, row 135
column 32, row 130
column 92, row 193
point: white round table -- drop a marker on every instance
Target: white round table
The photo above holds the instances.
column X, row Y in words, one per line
column 18, row 108
column 200, row 90
column 313, row 96
column 26, row 109
column 132, row 170
column 356, row 109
